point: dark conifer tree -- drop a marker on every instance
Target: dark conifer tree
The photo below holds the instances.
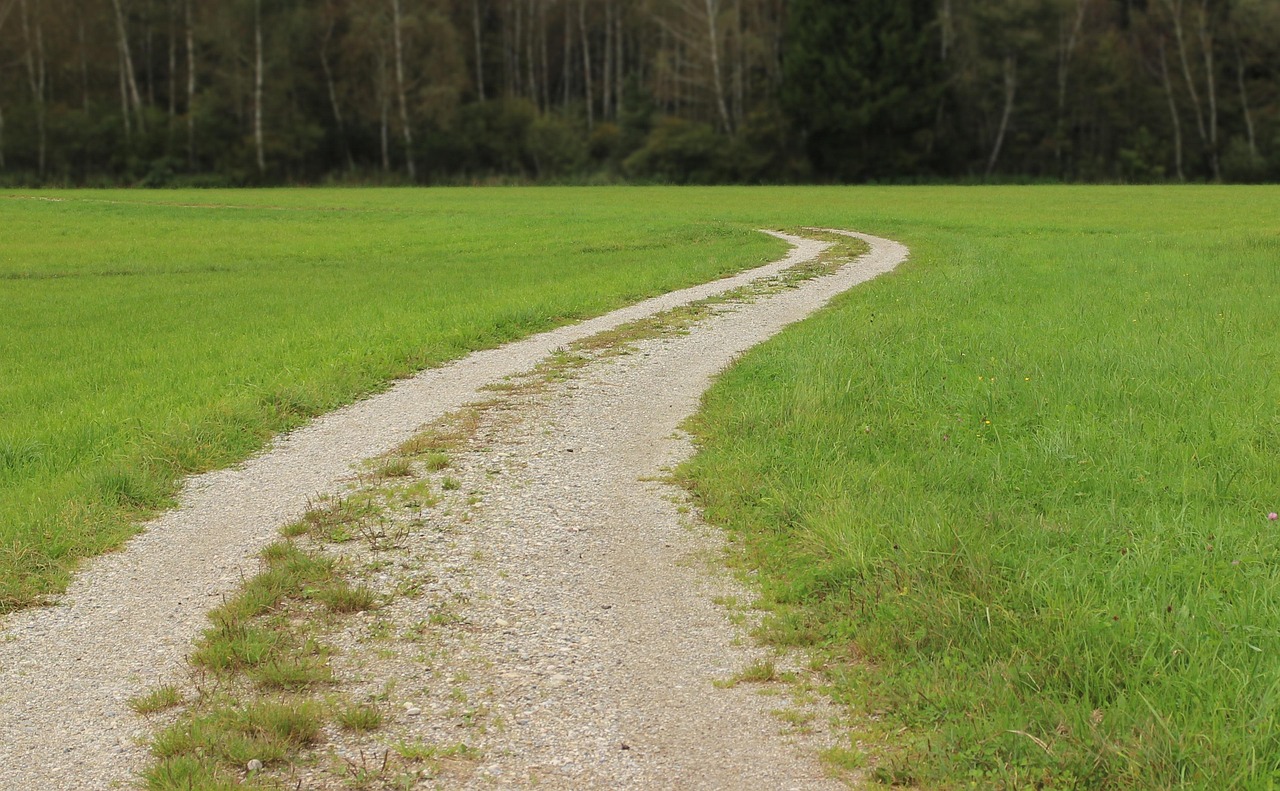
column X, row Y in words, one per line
column 861, row 81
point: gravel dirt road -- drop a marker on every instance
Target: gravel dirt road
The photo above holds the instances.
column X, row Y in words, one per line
column 597, row 627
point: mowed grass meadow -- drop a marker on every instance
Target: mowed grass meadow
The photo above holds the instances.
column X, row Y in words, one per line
column 148, row 335
column 1019, row 491
column 1015, row 494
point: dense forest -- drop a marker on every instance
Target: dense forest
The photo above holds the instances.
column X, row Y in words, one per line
column 213, row 92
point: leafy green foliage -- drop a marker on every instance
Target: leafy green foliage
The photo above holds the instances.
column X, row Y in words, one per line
column 862, row 82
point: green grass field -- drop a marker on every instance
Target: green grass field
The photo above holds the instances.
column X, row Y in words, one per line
column 1015, row 492
column 1019, row 490
column 151, row 334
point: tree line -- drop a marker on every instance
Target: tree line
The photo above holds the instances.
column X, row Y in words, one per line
column 214, row 92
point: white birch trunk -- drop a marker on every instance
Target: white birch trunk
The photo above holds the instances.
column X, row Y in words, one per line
column 1175, row 11
column 1211, row 87
column 477, row 31
column 84, row 64
column 35, row 60
column 586, row 63
column 333, row 94
column 546, row 63
column 568, row 55
column 1173, row 113
column 530, row 55
column 384, row 111
column 1244, row 105
column 1068, row 39
column 191, row 88
column 397, row 22
column 257, row 88
column 173, row 65
column 606, row 77
column 713, row 11
column 1010, row 90
column 128, row 77
column 619, row 63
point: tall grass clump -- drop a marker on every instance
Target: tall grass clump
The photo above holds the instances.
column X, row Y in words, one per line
column 1021, row 494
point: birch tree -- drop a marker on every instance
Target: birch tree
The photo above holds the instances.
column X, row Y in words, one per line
column 259, row 148
column 34, row 57
column 131, row 99
column 397, row 29
column 6, row 7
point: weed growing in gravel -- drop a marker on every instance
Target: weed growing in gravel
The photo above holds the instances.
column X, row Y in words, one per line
column 158, row 699
column 394, row 467
column 292, row 673
column 429, row 753
column 334, row 519
column 215, row 745
column 758, row 673
column 264, row 645
column 360, row 717
column 344, row 598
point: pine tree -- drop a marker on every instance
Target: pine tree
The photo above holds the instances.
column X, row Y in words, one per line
column 861, row 81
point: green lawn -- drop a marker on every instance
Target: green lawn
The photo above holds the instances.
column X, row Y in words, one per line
column 1019, row 491
column 1015, row 492
column 151, row 334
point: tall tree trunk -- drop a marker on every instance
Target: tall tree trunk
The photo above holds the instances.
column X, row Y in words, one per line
column 35, row 60
column 1067, row 40
column 546, row 63
column 530, row 55
column 333, row 94
column 586, row 63
column 1175, row 11
column 148, row 60
column 6, row 7
column 1010, row 90
column 1173, row 113
column 739, row 67
column 1211, row 86
column 568, row 53
column 510, row 48
column 191, row 87
column 948, row 30
column 384, row 107
column 126, row 113
column 606, row 76
column 478, row 32
column 619, row 62
column 713, row 41
column 84, row 62
column 397, row 37
column 128, row 76
column 173, row 65
column 259, row 147
column 1244, row 104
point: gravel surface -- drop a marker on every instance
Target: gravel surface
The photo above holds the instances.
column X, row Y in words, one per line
column 595, row 628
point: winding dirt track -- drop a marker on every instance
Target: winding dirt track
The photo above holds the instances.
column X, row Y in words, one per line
column 67, row 671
